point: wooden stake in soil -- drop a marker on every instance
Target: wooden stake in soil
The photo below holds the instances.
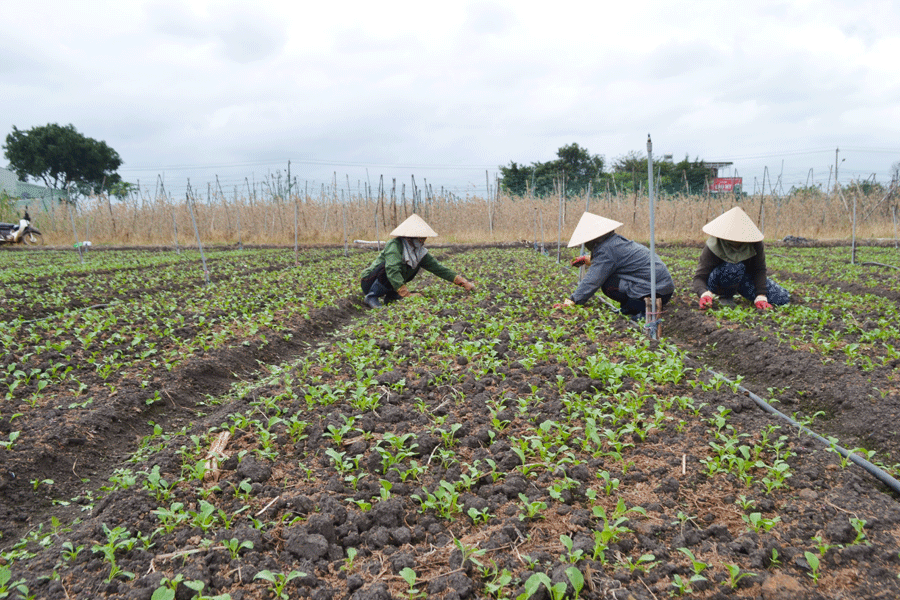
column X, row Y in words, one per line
column 216, row 452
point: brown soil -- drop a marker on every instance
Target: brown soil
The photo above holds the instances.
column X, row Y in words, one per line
column 316, row 525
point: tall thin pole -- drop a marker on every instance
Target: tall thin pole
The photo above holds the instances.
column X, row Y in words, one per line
column 190, row 203
column 587, row 201
column 541, row 216
column 559, row 225
column 653, row 333
column 853, row 246
column 836, row 184
column 240, row 239
column 175, row 230
column 344, row 205
column 894, row 217
column 74, row 230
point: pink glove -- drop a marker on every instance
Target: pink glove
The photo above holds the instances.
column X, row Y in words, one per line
column 762, row 304
column 581, row 260
column 706, row 302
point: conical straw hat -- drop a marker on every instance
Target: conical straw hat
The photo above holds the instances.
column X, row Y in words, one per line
column 590, row 227
column 734, row 226
column 414, row 227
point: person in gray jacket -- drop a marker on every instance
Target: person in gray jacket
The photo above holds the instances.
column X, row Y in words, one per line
column 616, row 265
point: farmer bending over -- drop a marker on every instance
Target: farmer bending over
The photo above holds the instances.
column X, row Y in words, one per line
column 734, row 262
column 618, row 266
column 399, row 263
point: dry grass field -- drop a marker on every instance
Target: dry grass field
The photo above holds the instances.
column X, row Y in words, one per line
column 143, row 219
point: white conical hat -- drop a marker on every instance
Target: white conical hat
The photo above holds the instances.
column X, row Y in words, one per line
column 591, row 226
column 414, row 227
column 734, row 226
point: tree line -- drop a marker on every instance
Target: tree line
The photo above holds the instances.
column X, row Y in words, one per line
column 577, row 171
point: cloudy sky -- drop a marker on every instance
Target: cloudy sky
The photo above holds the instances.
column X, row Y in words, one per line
column 444, row 91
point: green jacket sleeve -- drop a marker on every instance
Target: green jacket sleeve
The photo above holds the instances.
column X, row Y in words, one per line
column 430, row 264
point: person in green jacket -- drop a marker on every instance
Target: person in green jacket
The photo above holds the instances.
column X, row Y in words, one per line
column 400, row 261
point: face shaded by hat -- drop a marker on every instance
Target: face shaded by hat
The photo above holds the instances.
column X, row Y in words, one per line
column 591, row 227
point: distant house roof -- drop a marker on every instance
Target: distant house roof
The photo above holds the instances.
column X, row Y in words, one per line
column 711, row 164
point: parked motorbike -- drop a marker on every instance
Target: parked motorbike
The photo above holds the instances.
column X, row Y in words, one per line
column 21, row 233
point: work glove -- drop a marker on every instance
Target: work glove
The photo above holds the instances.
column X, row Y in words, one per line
column 403, row 292
column 464, row 283
column 564, row 304
column 762, row 303
column 584, row 259
column 706, row 300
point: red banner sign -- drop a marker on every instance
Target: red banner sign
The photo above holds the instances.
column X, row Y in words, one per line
column 726, row 184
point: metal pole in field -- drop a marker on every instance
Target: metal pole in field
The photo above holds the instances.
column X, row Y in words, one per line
column 296, row 235
column 653, row 316
column 368, row 199
column 894, row 216
column 175, row 230
column 74, row 230
column 541, row 215
column 344, row 205
column 587, row 201
column 240, row 240
column 559, row 226
column 853, row 246
column 190, row 203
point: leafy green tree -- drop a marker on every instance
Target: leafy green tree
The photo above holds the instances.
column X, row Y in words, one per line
column 686, row 177
column 60, row 156
column 578, row 167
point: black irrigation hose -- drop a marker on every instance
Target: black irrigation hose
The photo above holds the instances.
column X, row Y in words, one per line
column 872, row 469
column 875, row 264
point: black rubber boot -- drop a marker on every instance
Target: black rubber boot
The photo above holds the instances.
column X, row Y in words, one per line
column 373, row 302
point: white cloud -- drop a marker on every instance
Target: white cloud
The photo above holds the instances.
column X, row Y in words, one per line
column 475, row 84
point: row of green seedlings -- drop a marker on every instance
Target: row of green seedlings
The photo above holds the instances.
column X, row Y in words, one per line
column 444, row 501
column 130, row 339
column 171, row 515
column 444, row 498
column 110, row 273
column 821, row 320
column 779, row 469
column 833, row 264
column 813, row 326
column 206, row 513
